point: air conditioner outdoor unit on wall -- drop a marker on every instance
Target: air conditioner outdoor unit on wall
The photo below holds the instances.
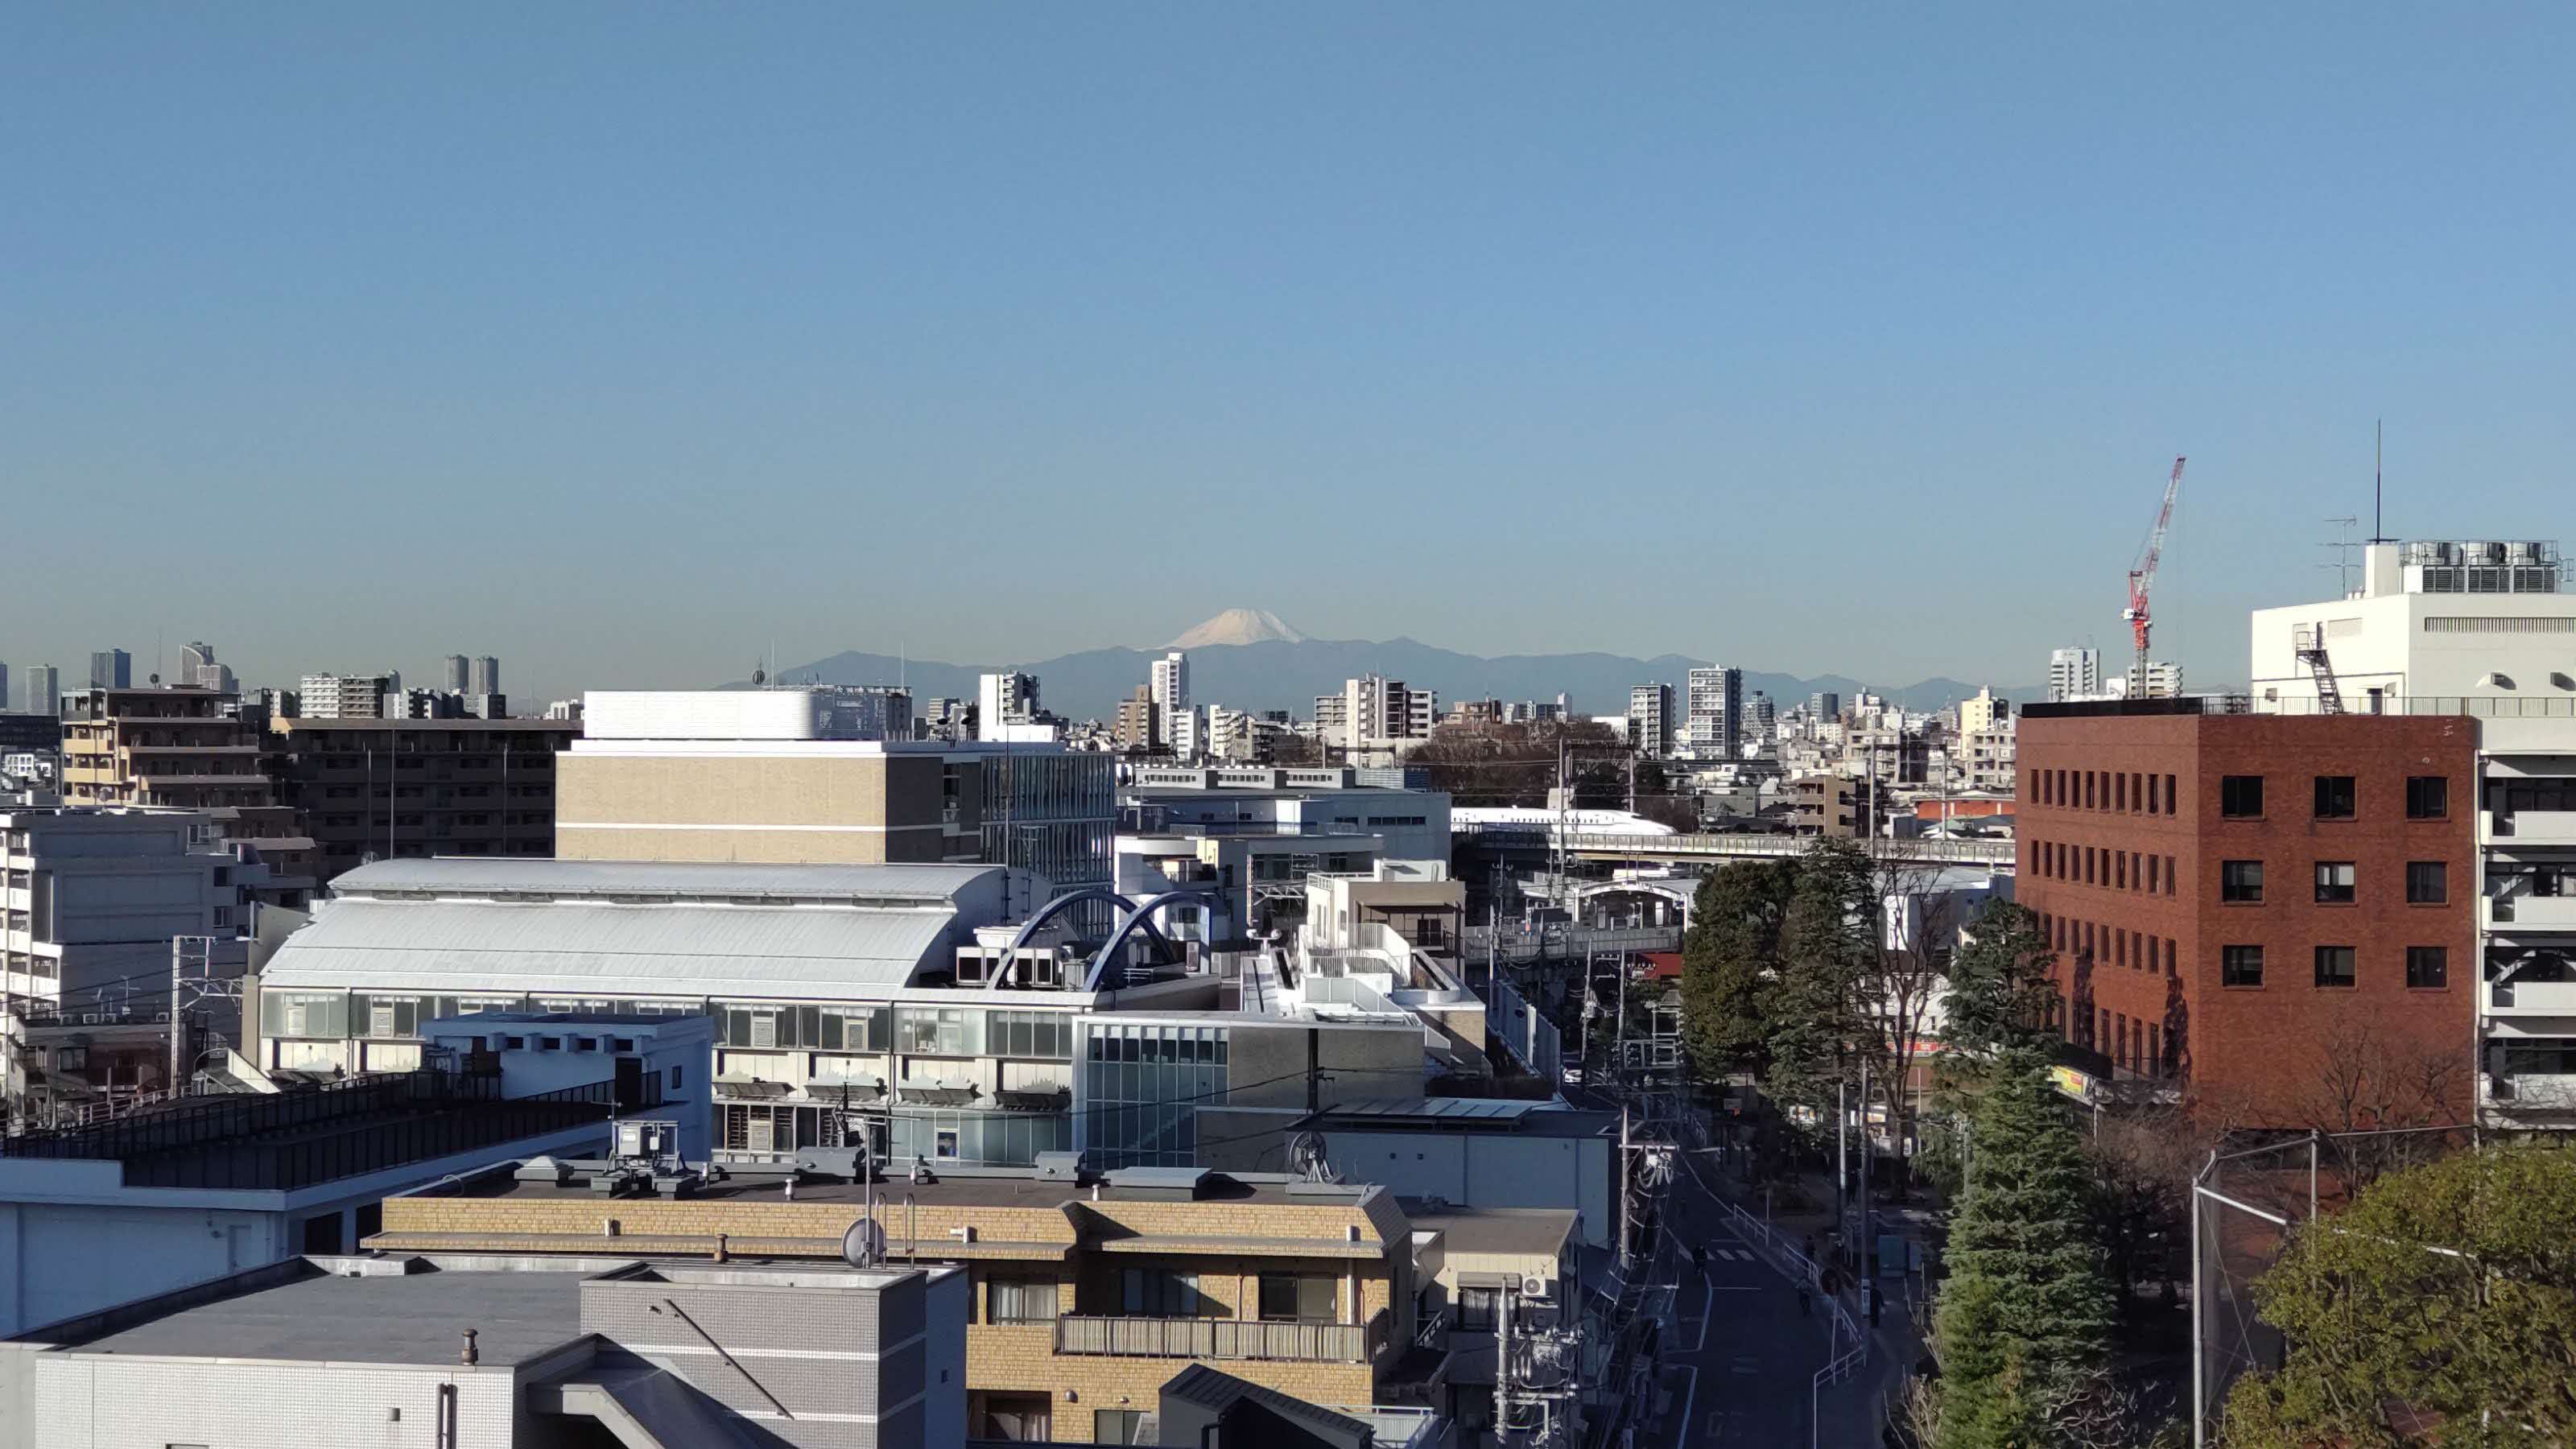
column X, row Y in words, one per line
column 1534, row 1286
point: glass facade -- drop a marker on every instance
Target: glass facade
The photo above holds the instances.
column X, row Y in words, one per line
column 1011, row 1139
column 1141, row 1087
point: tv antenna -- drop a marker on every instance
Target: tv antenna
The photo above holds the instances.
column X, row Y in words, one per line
column 2342, row 561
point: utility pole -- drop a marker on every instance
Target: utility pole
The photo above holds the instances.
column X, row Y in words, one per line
column 1842, row 1160
column 1626, row 1235
column 1866, row 1152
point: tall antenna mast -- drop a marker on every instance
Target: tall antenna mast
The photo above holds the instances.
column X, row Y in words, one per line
column 2378, row 475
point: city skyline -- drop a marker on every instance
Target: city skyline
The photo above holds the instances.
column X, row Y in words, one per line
column 598, row 321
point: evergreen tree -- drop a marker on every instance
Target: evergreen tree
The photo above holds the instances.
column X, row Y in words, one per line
column 1828, row 945
column 2026, row 1318
column 1999, row 982
column 1730, row 954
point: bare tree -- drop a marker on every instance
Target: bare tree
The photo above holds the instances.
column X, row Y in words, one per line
column 1916, row 933
column 2364, row 1081
column 2143, row 1161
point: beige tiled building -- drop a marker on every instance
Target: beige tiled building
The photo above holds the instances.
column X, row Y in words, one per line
column 190, row 749
column 1089, row 1294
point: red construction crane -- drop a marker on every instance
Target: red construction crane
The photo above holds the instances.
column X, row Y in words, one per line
column 2142, row 579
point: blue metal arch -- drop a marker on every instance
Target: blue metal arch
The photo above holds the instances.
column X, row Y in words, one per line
column 1118, row 938
column 1049, row 912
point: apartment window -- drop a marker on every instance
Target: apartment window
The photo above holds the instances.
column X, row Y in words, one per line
column 2155, row 1052
column 2155, row 884
column 2240, row 965
column 2120, row 869
column 1162, row 1293
column 2335, row 880
column 2335, row 797
column 2428, row 966
column 1297, row 1297
column 2428, row 797
column 2170, row 805
column 2240, row 881
column 2170, row 885
column 2428, row 882
column 2120, row 792
column 2153, row 805
column 1476, row 1309
column 2334, row 966
column 1118, row 1426
column 1019, row 1300
column 2240, row 797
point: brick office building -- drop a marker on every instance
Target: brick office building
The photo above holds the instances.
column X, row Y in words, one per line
column 2276, row 914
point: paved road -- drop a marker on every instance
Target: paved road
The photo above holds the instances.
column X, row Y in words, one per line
column 1739, row 1355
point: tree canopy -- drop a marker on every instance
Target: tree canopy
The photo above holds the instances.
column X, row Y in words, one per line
column 1730, row 951
column 1999, row 982
column 2026, row 1319
column 2439, row 1309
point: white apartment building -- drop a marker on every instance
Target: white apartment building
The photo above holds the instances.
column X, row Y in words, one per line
column 2074, row 673
column 2155, row 679
column 2481, row 630
column 1007, row 712
column 1982, row 712
column 1171, row 682
column 1716, row 712
column 93, row 897
column 1650, row 720
column 1186, row 731
column 1376, row 717
column 346, row 696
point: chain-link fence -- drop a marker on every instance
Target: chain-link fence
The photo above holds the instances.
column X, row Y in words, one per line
column 2245, row 1205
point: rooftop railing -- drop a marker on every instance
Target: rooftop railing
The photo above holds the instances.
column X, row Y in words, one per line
column 1220, row 1338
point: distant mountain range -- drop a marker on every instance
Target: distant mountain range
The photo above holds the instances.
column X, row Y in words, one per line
column 1248, row 659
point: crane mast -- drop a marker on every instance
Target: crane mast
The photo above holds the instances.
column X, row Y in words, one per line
column 2142, row 579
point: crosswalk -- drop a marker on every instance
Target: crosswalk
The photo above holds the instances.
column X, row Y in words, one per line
column 1730, row 1255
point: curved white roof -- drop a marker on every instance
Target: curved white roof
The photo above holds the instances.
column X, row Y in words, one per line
column 588, row 949
column 472, row 876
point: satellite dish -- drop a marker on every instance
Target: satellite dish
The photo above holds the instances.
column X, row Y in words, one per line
column 863, row 1246
column 1306, row 1154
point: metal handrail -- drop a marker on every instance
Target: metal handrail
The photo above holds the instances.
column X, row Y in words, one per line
column 1962, row 852
column 1217, row 1338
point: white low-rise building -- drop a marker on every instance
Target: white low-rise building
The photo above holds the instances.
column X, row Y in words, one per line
column 2483, row 631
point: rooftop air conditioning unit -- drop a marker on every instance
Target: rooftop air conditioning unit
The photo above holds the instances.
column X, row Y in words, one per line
column 2495, row 553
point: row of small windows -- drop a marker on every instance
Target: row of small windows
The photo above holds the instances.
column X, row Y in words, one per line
column 2428, row 968
column 2336, row 797
column 2338, row 882
column 2109, row 945
column 2119, row 870
column 2131, row 791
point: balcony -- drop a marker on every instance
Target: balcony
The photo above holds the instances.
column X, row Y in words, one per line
column 2528, row 913
column 2527, row 827
column 2533, row 998
column 2533, row 1092
column 1221, row 1338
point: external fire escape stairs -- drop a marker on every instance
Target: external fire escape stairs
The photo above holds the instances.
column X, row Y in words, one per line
column 2309, row 641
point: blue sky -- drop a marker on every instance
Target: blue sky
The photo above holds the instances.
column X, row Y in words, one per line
column 621, row 340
